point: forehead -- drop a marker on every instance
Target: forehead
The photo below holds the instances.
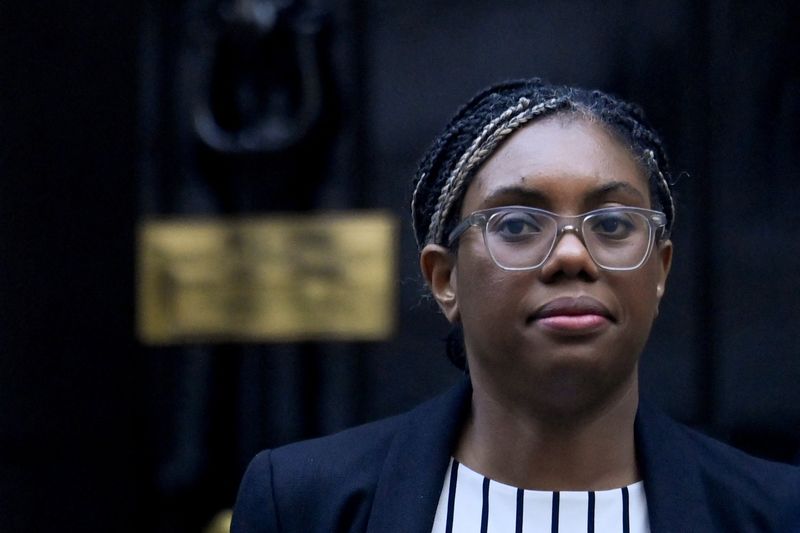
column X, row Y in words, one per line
column 559, row 163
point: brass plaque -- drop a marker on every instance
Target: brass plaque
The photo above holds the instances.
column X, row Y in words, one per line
column 275, row 278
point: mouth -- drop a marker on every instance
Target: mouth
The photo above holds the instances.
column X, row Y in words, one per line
column 576, row 315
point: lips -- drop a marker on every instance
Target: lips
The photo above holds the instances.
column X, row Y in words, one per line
column 577, row 314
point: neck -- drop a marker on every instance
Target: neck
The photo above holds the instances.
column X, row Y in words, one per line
column 592, row 449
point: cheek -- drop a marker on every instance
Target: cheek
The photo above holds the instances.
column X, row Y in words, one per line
column 473, row 265
column 640, row 297
column 483, row 289
column 474, row 287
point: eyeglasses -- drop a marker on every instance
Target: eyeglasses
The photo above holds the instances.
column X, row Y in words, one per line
column 522, row 238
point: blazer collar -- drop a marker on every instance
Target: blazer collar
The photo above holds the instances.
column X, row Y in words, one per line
column 673, row 481
column 411, row 480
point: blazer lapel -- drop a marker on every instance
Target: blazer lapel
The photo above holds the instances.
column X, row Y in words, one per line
column 672, row 478
column 413, row 472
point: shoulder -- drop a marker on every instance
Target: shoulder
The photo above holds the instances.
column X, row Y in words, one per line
column 315, row 484
column 748, row 490
column 741, row 469
column 735, row 468
column 335, row 458
column 736, row 489
column 329, row 483
column 364, row 448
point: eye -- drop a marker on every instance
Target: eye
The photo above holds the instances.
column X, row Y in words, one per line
column 515, row 226
column 613, row 225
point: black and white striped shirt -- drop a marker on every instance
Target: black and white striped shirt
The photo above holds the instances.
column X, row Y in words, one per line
column 470, row 502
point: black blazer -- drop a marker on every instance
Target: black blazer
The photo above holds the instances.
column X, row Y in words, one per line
column 386, row 477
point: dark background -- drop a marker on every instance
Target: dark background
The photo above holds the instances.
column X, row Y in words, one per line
column 100, row 433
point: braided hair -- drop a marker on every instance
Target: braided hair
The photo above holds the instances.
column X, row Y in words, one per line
column 489, row 118
column 480, row 126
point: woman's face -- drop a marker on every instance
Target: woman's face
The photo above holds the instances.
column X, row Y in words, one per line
column 568, row 331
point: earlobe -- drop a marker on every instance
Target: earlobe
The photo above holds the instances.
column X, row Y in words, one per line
column 665, row 261
column 439, row 269
column 664, row 251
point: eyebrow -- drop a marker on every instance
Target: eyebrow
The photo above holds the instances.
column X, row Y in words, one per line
column 518, row 194
column 536, row 196
column 614, row 186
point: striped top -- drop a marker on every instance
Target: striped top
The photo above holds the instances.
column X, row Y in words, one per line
column 471, row 502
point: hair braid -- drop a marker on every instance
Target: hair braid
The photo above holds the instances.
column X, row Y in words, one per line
column 456, row 136
column 629, row 122
column 480, row 149
column 481, row 125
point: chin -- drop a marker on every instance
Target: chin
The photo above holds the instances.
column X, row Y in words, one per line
column 575, row 378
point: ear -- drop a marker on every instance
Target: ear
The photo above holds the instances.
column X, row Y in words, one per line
column 665, row 262
column 438, row 265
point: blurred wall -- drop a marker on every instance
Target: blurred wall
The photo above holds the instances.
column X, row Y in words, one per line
column 101, row 433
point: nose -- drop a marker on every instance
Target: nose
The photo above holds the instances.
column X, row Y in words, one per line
column 569, row 258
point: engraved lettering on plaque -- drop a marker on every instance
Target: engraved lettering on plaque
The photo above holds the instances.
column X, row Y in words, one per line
column 278, row 278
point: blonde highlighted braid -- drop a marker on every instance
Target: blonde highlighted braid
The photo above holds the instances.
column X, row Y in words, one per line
column 492, row 116
column 482, row 147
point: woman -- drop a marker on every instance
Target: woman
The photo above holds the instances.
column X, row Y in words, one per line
column 543, row 215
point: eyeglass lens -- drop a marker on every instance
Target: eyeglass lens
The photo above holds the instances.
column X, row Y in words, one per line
column 524, row 239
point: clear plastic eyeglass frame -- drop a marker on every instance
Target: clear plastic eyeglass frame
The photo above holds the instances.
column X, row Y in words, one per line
column 653, row 221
